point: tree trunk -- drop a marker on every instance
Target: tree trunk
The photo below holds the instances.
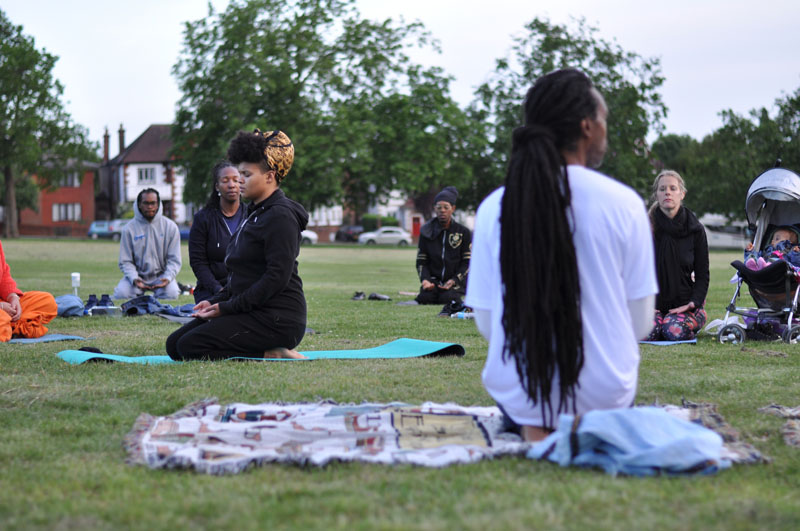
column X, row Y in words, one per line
column 11, row 226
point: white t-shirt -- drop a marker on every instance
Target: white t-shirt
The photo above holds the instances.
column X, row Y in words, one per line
column 614, row 250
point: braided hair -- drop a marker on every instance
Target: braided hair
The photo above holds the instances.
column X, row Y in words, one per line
column 216, row 172
column 541, row 298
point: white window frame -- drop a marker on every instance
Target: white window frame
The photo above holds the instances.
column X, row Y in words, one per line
column 66, row 212
column 146, row 175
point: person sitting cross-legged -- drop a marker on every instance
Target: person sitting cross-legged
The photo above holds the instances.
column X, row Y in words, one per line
column 22, row 314
column 445, row 248
column 149, row 251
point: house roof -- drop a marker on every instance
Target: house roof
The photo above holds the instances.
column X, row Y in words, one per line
column 151, row 146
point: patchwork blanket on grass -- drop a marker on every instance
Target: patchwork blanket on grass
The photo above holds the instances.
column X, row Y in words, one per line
column 218, row 438
column 790, row 430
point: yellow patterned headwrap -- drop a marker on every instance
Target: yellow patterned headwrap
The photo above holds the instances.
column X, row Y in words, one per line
column 279, row 152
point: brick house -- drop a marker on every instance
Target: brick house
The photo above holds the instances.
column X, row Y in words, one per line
column 67, row 210
column 146, row 163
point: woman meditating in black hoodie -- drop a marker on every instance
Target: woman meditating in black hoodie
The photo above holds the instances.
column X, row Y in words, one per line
column 261, row 312
column 212, row 229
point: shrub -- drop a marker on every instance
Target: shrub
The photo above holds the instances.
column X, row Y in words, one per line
column 370, row 222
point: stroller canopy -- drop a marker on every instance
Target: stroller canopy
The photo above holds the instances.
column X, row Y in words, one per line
column 774, row 198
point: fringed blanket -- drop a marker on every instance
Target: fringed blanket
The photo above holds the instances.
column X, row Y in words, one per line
column 219, row 439
column 790, row 430
column 223, row 439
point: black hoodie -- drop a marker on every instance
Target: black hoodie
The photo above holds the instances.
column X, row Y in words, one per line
column 444, row 253
column 262, row 261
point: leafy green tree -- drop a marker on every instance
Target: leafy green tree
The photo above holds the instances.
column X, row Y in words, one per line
column 312, row 68
column 425, row 141
column 670, row 152
column 629, row 83
column 37, row 136
column 722, row 166
column 788, row 121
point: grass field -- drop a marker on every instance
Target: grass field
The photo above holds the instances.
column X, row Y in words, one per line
column 61, row 427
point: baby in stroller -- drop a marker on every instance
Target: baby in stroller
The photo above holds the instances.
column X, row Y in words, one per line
column 783, row 246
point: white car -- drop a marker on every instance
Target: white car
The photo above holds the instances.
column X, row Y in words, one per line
column 390, row 235
column 308, row 237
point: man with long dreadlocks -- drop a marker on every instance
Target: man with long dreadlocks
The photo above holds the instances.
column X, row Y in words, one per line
column 562, row 280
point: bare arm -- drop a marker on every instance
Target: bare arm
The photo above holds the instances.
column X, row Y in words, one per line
column 642, row 311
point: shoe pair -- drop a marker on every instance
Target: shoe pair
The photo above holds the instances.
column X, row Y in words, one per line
column 454, row 306
column 92, row 302
column 359, row 296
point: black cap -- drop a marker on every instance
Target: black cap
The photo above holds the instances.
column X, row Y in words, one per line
column 448, row 193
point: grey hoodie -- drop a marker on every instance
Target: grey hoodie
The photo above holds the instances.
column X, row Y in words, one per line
column 150, row 250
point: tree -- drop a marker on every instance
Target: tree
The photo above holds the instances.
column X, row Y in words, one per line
column 722, row 166
column 313, row 68
column 671, row 150
column 628, row 82
column 425, row 141
column 38, row 135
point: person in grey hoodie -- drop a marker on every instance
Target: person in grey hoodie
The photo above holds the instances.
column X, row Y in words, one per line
column 261, row 310
column 149, row 251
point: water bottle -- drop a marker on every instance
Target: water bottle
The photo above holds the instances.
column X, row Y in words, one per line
column 463, row 315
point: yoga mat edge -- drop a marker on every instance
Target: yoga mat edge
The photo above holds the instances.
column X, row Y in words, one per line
column 397, row 349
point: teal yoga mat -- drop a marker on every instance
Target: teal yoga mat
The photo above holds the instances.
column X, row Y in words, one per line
column 399, row 348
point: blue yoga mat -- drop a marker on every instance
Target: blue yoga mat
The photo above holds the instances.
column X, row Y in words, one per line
column 399, row 348
column 45, row 338
column 667, row 343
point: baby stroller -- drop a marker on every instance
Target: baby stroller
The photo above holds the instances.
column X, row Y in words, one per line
column 773, row 200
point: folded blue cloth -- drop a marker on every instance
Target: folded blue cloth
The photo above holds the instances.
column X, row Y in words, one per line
column 642, row 441
column 147, row 304
column 69, row 306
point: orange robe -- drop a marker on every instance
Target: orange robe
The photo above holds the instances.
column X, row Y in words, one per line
column 38, row 307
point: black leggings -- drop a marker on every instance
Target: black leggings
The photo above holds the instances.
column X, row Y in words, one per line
column 245, row 334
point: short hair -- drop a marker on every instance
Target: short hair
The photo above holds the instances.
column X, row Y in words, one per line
column 147, row 191
column 272, row 150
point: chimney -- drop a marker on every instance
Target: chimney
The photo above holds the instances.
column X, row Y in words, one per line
column 121, row 138
column 105, row 146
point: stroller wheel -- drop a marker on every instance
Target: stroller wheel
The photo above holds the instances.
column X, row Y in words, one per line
column 733, row 334
column 792, row 335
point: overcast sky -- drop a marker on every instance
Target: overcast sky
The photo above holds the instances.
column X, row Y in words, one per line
column 116, row 56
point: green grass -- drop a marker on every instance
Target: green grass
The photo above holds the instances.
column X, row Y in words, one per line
column 61, row 427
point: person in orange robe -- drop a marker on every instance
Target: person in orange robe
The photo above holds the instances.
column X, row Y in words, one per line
column 22, row 314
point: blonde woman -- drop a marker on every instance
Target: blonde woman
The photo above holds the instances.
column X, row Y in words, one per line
column 681, row 252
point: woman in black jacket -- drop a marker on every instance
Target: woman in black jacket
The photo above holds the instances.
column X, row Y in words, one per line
column 681, row 252
column 212, row 229
column 261, row 312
